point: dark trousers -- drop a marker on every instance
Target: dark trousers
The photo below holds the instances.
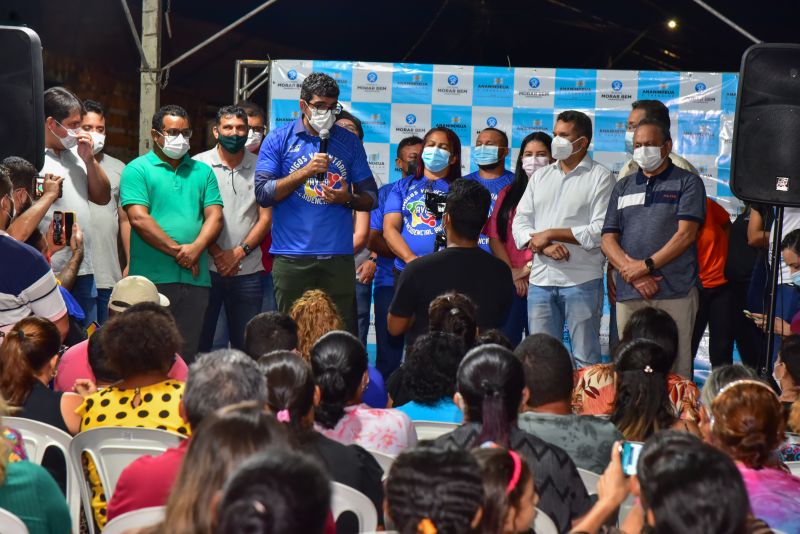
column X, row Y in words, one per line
column 188, row 305
column 390, row 348
column 517, row 323
column 750, row 340
column 336, row 276
column 363, row 307
column 241, row 296
column 715, row 309
column 85, row 292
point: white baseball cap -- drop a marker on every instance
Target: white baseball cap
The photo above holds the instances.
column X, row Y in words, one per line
column 134, row 290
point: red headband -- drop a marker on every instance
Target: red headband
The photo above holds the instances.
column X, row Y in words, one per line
column 516, row 474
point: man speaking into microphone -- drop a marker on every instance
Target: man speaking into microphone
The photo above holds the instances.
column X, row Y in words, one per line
column 313, row 185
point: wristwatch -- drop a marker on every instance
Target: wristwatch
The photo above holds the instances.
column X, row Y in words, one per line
column 247, row 249
column 649, row 264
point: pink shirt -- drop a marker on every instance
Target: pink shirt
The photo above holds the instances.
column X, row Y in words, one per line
column 774, row 496
column 383, row 430
column 74, row 364
column 519, row 258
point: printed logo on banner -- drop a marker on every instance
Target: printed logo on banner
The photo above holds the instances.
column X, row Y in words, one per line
column 534, row 88
column 609, row 130
column 698, row 134
column 412, row 83
column 287, row 77
column 701, row 91
column 283, row 112
column 707, row 170
column 395, row 173
column 660, row 85
column 457, row 118
column 575, row 88
column 342, row 72
column 376, row 120
column 616, row 89
column 527, row 121
column 408, row 120
column 494, row 86
column 725, row 141
column 730, row 88
column 452, row 85
column 372, row 82
column 292, row 75
column 380, row 161
column 485, row 117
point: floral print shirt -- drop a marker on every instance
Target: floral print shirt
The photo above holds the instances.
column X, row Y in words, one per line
column 383, row 430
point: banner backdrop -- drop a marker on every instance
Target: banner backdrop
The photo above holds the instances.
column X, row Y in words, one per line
column 396, row 100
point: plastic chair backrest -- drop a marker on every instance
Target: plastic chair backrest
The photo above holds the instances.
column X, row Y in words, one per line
column 432, row 429
column 384, row 460
column 791, row 437
column 11, row 524
column 590, row 480
column 542, row 524
column 38, row 437
column 146, row 517
column 794, row 467
column 112, row 449
column 346, row 499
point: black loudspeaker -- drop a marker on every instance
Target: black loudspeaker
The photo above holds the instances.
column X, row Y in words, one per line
column 21, row 87
column 766, row 134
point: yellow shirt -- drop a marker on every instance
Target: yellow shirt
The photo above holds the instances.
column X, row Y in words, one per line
column 154, row 406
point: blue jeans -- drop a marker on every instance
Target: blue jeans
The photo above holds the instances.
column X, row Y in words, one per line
column 241, row 296
column 580, row 306
column 363, row 307
column 103, row 296
column 85, row 292
column 517, row 322
column 268, row 302
column 390, row 348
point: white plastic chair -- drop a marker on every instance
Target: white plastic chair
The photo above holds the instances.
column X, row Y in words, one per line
column 346, row 499
column 384, row 460
column 38, row 437
column 146, row 517
column 432, row 429
column 11, row 524
column 112, row 449
column 590, row 480
column 794, row 467
column 542, row 524
column 791, row 437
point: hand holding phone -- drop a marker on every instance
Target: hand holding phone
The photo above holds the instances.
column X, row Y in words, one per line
column 630, row 451
column 70, row 218
column 58, row 227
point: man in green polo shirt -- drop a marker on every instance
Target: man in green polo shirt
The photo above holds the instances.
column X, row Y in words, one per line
column 175, row 210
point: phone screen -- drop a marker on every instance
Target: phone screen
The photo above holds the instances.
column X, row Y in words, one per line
column 630, row 456
column 69, row 220
column 39, row 186
column 58, row 227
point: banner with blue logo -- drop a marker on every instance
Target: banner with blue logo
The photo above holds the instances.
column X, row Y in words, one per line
column 397, row 100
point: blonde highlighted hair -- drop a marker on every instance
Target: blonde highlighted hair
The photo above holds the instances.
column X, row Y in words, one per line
column 315, row 315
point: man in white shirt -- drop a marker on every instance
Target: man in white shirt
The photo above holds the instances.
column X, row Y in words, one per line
column 84, row 181
column 560, row 217
column 110, row 224
column 236, row 269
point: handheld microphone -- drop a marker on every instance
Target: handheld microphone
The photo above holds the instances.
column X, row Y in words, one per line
column 324, row 134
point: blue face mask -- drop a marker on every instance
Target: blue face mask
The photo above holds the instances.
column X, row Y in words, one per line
column 796, row 279
column 485, row 154
column 435, row 159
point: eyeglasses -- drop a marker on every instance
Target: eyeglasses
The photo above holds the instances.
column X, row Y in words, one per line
column 174, row 132
column 336, row 108
column 259, row 129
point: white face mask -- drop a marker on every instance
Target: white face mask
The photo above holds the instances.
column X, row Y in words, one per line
column 562, row 148
column 629, row 141
column 70, row 140
column 99, row 141
column 175, row 146
column 253, row 140
column 531, row 164
column 648, row 158
column 321, row 120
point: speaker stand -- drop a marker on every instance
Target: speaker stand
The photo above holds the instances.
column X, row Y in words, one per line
column 765, row 369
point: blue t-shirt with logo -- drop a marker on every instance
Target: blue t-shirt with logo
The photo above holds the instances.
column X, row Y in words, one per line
column 303, row 223
column 419, row 225
column 494, row 186
column 383, row 274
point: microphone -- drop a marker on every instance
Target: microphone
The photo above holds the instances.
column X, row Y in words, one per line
column 324, row 134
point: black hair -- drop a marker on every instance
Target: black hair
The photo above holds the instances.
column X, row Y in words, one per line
column 269, row 331
column 218, row 379
column 454, row 313
column 642, row 406
column 290, row 387
column 441, row 485
column 231, row 111
column 98, row 361
column 518, row 186
column 60, row 103
column 663, row 128
column 163, row 111
column 790, row 356
column 497, row 470
column 93, row 106
column 500, row 132
column 654, row 109
column 548, row 369
column 430, row 367
column 490, row 380
column 408, row 141
column 346, row 115
column 468, row 204
column 655, row 325
column 454, row 170
column 274, row 493
column 580, row 122
column 21, row 171
column 494, row 336
column 6, row 187
column 690, row 486
column 790, row 241
column 252, row 109
column 339, row 361
column 318, row 84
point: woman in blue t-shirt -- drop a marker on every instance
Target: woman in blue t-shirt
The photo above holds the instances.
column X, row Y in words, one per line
column 408, row 226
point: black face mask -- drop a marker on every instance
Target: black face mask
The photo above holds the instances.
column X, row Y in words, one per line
column 412, row 168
